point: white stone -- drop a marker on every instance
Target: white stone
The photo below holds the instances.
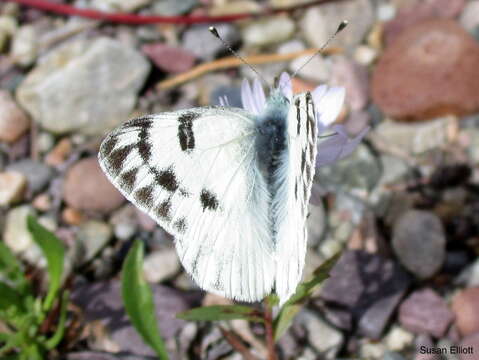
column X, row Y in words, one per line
column 24, row 45
column 386, row 12
column 119, row 5
column 398, row 338
column 16, row 235
column 13, row 120
column 267, row 32
column 469, row 18
column 161, row 265
column 12, row 187
column 88, row 85
column 365, row 55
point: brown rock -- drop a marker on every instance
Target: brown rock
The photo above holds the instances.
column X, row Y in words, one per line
column 13, row 121
column 59, row 153
column 12, row 187
column 42, row 202
column 465, row 306
column 425, row 312
column 168, row 58
column 87, row 188
column 430, row 70
column 421, row 12
column 72, row 216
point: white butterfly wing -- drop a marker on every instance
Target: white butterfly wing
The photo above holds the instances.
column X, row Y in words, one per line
column 195, row 172
column 290, row 204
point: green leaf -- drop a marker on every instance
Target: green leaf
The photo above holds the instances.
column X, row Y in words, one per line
column 54, row 252
column 9, row 265
column 221, row 312
column 138, row 300
column 302, row 294
column 10, row 299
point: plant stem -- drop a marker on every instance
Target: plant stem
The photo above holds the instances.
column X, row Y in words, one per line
column 133, row 19
column 268, row 324
column 237, row 344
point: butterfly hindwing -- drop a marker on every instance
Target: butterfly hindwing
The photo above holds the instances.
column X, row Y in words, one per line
column 195, row 172
column 290, row 203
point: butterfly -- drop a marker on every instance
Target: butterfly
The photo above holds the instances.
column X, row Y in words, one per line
column 231, row 185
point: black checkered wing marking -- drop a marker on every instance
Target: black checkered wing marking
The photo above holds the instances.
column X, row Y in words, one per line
column 195, row 173
column 292, row 206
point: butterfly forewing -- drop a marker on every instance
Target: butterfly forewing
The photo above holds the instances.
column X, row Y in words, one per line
column 195, row 173
column 290, row 203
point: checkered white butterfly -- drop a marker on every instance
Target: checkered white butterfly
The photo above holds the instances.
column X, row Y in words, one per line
column 232, row 185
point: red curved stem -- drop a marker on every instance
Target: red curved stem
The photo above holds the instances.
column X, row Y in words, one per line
column 134, row 19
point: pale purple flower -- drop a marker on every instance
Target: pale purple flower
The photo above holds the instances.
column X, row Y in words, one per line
column 327, row 102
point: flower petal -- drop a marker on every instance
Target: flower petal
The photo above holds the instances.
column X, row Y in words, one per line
column 285, row 85
column 247, row 97
column 337, row 146
column 258, row 95
column 318, row 93
column 329, row 104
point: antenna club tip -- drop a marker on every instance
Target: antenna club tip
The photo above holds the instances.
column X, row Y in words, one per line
column 342, row 25
column 213, row 30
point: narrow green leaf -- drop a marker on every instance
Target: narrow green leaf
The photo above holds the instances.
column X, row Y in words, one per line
column 60, row 330
column 9, row 265
column 138, row 300
column 54, row 252
column 303, row 292
column 221, row 312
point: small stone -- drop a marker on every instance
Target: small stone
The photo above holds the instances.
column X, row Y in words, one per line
column 318, row 69
column 416, row 138
column 365, row 55
column 13, row 121
column 8, row 27
column 356, row 174
column 119, row 5
column 168, row 58
column 408, row 80
column 16, row 235
column 125, row 222
column 24, row 45
column 325, row 339
column 398, row 338
column 72, row 216
column 269, row 31
column 199, row 40
column 425, row 312
column 12, row 187
column 372, row 350
column 420, row 243
column 469, row 347
column 235, row 7
column 470, row 16
column 319, row 23
column 172, row 7
column 386, row 12
column 421, row 12
column 369, row 286
column 42, row 202
column 38, row 174
column 465, row 306
column 354, row 78
column 425, row 342
column 59, row 153
column 110, row 75
column 87, row 188
column 92, row 236
column 315, row 222
column 102, row 301
column 45, row 142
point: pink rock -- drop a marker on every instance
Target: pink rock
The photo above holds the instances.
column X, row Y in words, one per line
column 354, row 77
column 421, row 12
column 168, row 58
column 468, row 349
column 13, row 121
column 425, row 312
column 429, row 71
column 465, row 306
column 87, row 188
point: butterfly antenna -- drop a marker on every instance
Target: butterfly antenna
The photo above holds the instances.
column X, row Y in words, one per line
column 213, row 30
column 340, row 28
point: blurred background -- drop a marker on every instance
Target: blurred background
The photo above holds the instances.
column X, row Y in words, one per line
column 404, row 208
